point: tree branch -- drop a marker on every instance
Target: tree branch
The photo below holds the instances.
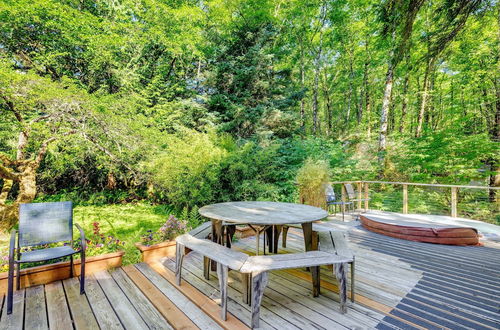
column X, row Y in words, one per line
column 45, row 144
column 11, row 107
column 6, row 160
column 7, row 186
column 103, row 149
column 8, row 174
column 36, row 120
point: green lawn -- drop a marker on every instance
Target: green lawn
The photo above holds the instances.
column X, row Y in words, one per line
column 126, row 222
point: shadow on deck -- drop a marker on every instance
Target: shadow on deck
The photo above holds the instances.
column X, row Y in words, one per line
column 400, row 285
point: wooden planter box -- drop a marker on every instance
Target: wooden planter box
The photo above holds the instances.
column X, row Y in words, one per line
column 59, row 271
column 154, row 252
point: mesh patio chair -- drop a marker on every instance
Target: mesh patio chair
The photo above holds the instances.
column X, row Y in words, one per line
column 331, row 200
column 39, row 224
column 353, row 196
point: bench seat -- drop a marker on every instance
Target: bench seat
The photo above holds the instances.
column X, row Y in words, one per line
column 291, row 260
column 255, row 268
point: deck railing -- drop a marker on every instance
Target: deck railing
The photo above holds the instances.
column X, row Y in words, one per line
column 474, row 202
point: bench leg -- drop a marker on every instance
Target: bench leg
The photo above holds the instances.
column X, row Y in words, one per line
column 341, row 278
column 285, row 233
column 315, row 274
column 245, row 288
column 222, row 275
column 179, row 258
column 259, row 282
column 352, row 281
column 206, row 268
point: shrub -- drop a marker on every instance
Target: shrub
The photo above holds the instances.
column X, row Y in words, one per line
column 168, row 231
column 187, row 173
column 311, row 178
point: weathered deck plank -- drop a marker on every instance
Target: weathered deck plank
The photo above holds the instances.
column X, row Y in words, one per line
column 153, row 318
column 14, row 320
column 35, row 316
column 176, row 318
column 191, row 310
column 57, row 308
column 209, row 307
column 400, row 285
column 83, row 318
column 123, row 307
column 103, row 311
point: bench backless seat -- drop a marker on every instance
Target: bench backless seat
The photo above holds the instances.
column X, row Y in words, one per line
column 256, row 269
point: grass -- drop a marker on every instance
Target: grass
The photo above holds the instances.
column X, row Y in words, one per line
column 127, row 222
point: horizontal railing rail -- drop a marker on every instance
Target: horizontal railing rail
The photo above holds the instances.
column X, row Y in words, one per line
column 419, row 184
column 469, row 201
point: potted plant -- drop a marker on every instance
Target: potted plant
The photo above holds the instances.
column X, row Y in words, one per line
column 160, row 243
column 103, row 252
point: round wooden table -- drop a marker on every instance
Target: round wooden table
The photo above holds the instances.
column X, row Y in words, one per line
column 260, row 216
column 263, row 216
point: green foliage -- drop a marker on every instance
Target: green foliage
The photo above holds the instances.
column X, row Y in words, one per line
column 311, row 179
column 442, row 158
column 189, row 103
column 126, row 222
column 168, row 231
column 187, row 172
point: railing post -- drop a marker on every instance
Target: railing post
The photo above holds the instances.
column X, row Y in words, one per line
column 344, row 199
column 366, row 195
column 405, row 199
column 360, row 191
column 454, row 193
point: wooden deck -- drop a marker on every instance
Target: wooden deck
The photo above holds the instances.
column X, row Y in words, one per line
column 400, row 285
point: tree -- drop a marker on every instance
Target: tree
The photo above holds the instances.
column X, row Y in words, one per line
column 447, row 21
column 398, row 18
column 43, row 113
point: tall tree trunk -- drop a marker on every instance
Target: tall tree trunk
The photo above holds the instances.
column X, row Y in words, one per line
column 366, row 93
column 328, row 109
column 315, row 100
column 350, row 94
column 424, row 98
column 302, row 86
column 27, row 191
column 404, row 102
column 384, row 114
column 495, row 136
column 317, row 71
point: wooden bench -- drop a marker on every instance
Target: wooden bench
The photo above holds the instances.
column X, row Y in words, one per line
column 331, row 241
column 335, row 242
column 223, row 256
column 202, row 231
column 256, row 268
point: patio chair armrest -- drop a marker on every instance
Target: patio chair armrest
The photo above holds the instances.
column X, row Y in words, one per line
column 12, row 245
column 83, row 242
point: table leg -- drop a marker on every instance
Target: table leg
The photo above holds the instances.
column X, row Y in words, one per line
column 311, row 244
column 269, row 239
column 307, row 230
column 230, row 230
column 217, row 237
column 276, row 236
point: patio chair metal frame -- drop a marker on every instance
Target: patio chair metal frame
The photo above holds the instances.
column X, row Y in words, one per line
column 40, row 224
column 331, row 199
